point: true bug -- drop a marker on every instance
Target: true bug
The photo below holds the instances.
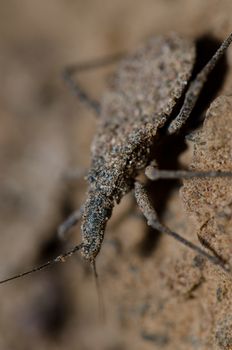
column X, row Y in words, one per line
column 147, row 86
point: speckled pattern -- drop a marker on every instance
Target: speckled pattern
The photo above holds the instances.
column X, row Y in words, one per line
column 209, row 203
column 146, row 87
column 152, row 302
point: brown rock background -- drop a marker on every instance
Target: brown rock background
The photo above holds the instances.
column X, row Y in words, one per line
column 157, row 294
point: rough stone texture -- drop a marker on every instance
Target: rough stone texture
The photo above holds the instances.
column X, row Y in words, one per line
column 157, row 294
column 209, row 200
column 209, row 203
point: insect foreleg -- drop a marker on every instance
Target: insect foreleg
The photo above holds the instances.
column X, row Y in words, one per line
column 74, row 174
column 153, row 221
column 75, row 87
column 71, row 221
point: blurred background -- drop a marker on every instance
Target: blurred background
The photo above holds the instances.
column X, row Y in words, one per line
column 45, row 134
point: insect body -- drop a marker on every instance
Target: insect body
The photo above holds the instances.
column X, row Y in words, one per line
column 146, row 88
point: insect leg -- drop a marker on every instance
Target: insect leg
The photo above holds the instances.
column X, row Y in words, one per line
column 153, row 221
column 58, row 259
column 74, row 86
column 196, row 86
column 156, row 174
column 74, row 174
column 71, row 221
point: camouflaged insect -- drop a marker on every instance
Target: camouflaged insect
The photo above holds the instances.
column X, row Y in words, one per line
column 146, row 88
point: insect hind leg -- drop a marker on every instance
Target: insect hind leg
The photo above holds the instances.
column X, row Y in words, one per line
column 76, row 88
column 195, row 88
column 153, row 221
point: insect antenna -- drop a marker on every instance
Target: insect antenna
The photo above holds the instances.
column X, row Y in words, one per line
column 58, row 259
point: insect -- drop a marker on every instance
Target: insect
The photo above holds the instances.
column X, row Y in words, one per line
column 146, row 88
